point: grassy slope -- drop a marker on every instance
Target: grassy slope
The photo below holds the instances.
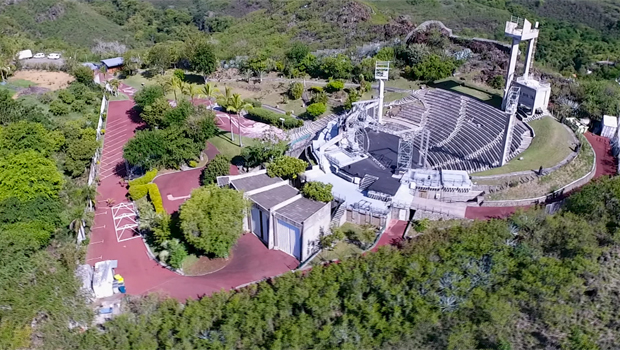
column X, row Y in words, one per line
column 551, row 145
column 70, row 21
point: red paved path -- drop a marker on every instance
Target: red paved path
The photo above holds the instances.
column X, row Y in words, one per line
column 393, row 234
column 251, row 259
column 605, row 165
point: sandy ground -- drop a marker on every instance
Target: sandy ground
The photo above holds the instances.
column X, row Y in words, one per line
column 49, row 80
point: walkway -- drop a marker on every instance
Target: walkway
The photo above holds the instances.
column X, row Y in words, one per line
column 251, row 261
column 605, row 165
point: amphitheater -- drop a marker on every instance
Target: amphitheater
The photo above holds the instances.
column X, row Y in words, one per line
column 465, row 133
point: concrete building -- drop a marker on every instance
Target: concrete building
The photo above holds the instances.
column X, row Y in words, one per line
column 279, row 215
column 610, row 125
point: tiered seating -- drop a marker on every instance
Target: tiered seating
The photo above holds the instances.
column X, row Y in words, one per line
column 466, row 134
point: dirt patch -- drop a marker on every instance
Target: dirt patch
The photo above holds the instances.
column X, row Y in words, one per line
column 48, row 80
column 193, row 266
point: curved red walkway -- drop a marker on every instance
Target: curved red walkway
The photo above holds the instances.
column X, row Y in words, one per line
column 605, row 165
column 252, row 261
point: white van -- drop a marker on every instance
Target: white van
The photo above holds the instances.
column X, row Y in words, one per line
column 53, row 56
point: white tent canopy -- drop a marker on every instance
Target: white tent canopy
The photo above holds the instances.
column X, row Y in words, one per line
column 24, row 54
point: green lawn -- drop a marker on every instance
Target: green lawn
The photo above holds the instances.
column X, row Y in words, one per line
column 340, row 251
column 550, row 146
column 226, row 147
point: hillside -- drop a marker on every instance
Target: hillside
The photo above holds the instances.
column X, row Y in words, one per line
column 73, row 22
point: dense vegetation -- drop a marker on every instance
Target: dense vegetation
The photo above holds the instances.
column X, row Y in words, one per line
column 44, row 194
column 534, row 281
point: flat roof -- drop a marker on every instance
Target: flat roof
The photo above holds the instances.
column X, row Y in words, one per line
column 269, row 199
column 385, row 184
column 610, row 120
column 301, row 209
column 250, row 183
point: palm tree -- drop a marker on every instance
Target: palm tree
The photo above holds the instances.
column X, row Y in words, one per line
column 192, row 90
column 115, row 84
column 164, row 82
column 209, row 91
column 237, row 105
column 176, row 84
column 224, row 100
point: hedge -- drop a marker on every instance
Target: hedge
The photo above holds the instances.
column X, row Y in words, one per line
column 147, row 178
column 138, row 191
column 269, row 117
column 155, row 197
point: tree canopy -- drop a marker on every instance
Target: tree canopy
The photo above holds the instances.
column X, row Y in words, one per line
column 218, row 166
column 203, row 59
column 212, row 219
column 286, row 167
column 29, row 175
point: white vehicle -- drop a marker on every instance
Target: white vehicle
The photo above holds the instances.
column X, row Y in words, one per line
column 39, row 55
column 53, row 56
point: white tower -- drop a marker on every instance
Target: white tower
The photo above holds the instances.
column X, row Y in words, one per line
column 519, row 30
column 382, row 70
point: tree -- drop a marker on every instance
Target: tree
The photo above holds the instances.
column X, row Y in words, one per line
column 334, row 85
column 433, row 68
column 176, row 84
column 203, row 59
column 114, row 84
column 23, row 135
column 83, row 75
column 339, row 67
column 286, row 167
column 154, row 114
column 296, row 90
column 28, row 175
column 497, row 82
column 237, row 105
column 386, row 53
column 352, row 96
column 161, row 56
column 148, row 95
column 218, row 166
column 212, row 219
column 297, row 52
column 209, row 91
column 269, row 149
column 318, row 191
column 192, row 90
column 132, row 61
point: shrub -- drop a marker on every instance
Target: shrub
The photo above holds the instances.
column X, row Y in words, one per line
column 364, row 235
column 253, row 102
column 179, row 74
column 320, row 97
column 66, row 96
column 286, row 167
column 155, row 197
column 497, row 82
column 178, row 253
column 138, row 191
column 148, row 177
column 148, row 95
column 59, row 108
column 334, row 85
column 78, row 106
column 193, row 164
column 83, row 75
column 296, row 90
column 218, row 166
column 316, row 89
column 315, row 110
column 273, row 118
column 318, row 191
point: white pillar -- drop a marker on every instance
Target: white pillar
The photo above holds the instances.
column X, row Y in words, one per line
column 529, row 57
column 381, row 88
column 514, row 53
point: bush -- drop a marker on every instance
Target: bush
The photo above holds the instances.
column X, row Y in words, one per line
column 296, row 90
column 316, row 89
column 66, row 96
column 253, row 102
column 138, row 191
column 179, row 74
column 178, row 253
column 315, row 110
column 320, row 97
column 83, row 75
column 59, row 108
column 218, row 166
column 318, row 191
column 147, row 178
column 148, row 95
column 193, row 164
column 286, row 167
column 334, row 85
column 497, row 82
column 155, row 197
column 273, row 118
column 78, row 106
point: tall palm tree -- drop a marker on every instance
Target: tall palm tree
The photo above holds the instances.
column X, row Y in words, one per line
column 114, row 84
column 164, row 82
column 224, row 101
column 176, row 84
column 209, row 91
column 192, row 90
column 237, row 105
